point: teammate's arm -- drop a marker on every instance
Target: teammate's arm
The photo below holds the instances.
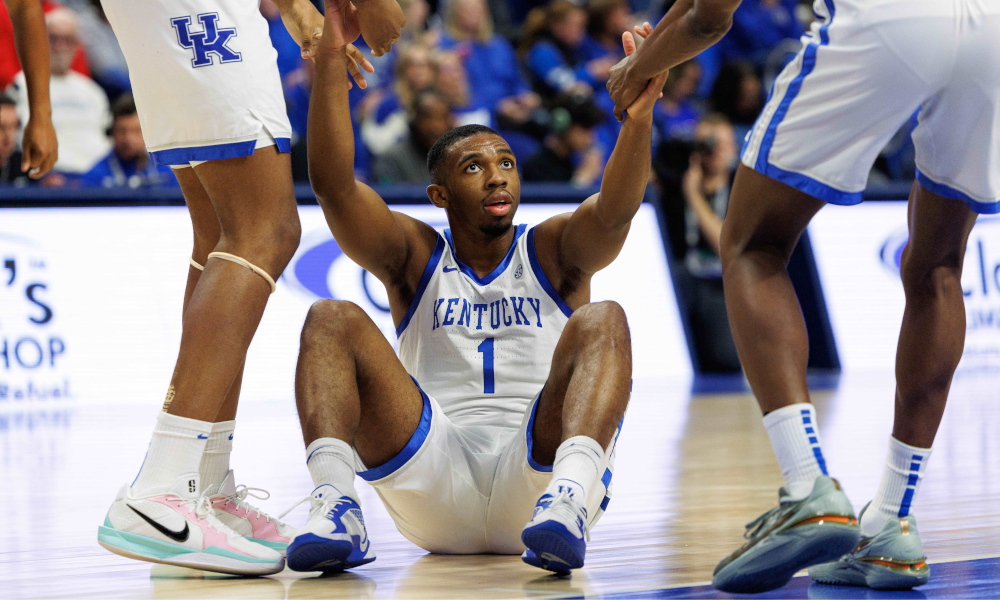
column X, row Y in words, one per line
column 38, row 143
column 685, row 31
column 588, row 239
column 366, row 230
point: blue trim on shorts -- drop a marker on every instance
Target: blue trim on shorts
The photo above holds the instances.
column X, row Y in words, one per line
column 432, row 264
column 531, row 427
column 184, row 156
column 536, row 267
column 808, row 64
column 816, row 189
column 983, row 208
column 495, row 272
column 416, row 441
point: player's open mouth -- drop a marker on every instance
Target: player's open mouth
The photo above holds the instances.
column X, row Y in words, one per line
column 499, row 203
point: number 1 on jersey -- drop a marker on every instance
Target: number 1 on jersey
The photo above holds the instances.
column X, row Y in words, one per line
column 487, row 349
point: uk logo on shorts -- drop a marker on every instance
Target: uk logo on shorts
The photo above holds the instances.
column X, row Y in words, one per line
column 211, row 40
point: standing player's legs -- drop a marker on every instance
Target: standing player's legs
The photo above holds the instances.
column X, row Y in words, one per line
column 254, row 202
column 578, row 412
column 352, row 394
column 814, row 521
column 931, row 341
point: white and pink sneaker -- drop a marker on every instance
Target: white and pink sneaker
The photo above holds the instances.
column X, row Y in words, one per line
column 181, row 528
column 229, row 502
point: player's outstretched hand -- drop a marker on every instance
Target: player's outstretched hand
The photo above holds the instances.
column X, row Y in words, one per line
column 39, row 146
column 623, row 87
column 382, row 22
column 642, row 106
column 356, row 63
column 304, row 23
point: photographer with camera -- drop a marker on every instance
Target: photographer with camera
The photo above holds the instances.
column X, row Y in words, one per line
column 694, row 178
column 570, row 153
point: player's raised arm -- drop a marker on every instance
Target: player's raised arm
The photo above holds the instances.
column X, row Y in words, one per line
column 39, row 142
column 689, row 27
column 363, row 225
column 593, row 235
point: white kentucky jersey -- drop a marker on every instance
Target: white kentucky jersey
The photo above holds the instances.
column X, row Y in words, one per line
column 482, row 346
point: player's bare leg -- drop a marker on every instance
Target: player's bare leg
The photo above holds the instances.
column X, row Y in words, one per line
column 762, row 227
column 253, row 200
column 351, row 391
column 932, row 336
column 931, row 341
column 578, row 412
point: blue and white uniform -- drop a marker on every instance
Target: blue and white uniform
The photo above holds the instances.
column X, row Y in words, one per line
column 480, row 350
column 204, row 75
column 866, row 67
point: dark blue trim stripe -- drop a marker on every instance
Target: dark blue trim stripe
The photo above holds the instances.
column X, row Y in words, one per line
column 536, row 267
column 416, row 441
column 808, row 64
column 983, row 208
column 495, row 272
column 808, row 185
column 531, row 426
column 432, row 264
column 183, row 156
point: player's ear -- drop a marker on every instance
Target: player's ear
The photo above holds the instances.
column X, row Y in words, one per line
column 437, row 195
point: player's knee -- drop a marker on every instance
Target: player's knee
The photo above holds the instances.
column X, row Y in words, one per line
column 286, row 235
column 938, row 276
column 601, row 321
column 334, row 321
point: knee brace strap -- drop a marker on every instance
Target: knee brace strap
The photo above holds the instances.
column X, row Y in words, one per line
column 247, row 264
column 195, row 264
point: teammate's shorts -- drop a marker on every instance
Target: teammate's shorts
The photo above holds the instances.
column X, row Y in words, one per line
column 204, row 75
column 866, row 67
column 470, row 489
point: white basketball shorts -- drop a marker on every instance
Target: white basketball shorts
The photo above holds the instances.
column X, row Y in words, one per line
column 866, row 67
column 204, row 75
column 458, row 489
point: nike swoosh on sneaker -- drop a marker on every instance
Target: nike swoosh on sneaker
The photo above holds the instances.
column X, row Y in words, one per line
column 177, row 536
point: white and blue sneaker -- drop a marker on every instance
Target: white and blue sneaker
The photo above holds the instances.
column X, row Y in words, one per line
column 334, row 537
column 557, row 534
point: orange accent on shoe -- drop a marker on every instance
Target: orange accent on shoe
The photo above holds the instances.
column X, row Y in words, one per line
column 832, row 519
column 887, row 563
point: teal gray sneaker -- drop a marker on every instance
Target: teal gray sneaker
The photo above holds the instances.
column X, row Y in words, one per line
column 790, row 537
column 892, row 560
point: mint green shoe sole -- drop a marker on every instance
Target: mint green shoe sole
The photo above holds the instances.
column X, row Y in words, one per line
column 140, row 547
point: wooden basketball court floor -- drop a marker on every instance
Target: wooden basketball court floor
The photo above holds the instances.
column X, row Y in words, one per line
column 691, row 470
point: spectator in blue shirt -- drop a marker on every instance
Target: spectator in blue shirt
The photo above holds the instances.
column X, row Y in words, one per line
column 128, row 164
column 607, row 20
column 490, row 63
column 558, row 53
column 675, row 116
column 759, row 26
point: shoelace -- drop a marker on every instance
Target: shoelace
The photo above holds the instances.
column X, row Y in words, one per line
column 755, row 526
column 322, row 505
column 564, row 505
column 239, row 499
column 203, row 509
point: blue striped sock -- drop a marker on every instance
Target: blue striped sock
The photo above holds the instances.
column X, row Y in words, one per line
column 904, row 470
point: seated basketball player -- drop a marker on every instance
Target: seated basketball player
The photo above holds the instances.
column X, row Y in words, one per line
column 495, row 427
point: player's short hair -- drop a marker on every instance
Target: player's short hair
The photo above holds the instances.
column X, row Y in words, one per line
column 124, row 106
column 435, row 157
column 6, row 100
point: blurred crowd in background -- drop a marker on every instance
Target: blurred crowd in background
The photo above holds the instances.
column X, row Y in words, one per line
column 533, row 70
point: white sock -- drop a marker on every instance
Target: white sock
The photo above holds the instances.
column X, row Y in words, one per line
column 904, row 470
column 796, row 444
column 175, row 450
column 215, row 460
column 576, row 467
column 331, row 462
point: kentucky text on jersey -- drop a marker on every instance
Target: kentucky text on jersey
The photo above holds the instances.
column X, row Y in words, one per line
column 505, row 312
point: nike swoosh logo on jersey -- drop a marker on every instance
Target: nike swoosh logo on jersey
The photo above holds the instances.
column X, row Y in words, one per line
column 447, row 270
column 177, row 536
